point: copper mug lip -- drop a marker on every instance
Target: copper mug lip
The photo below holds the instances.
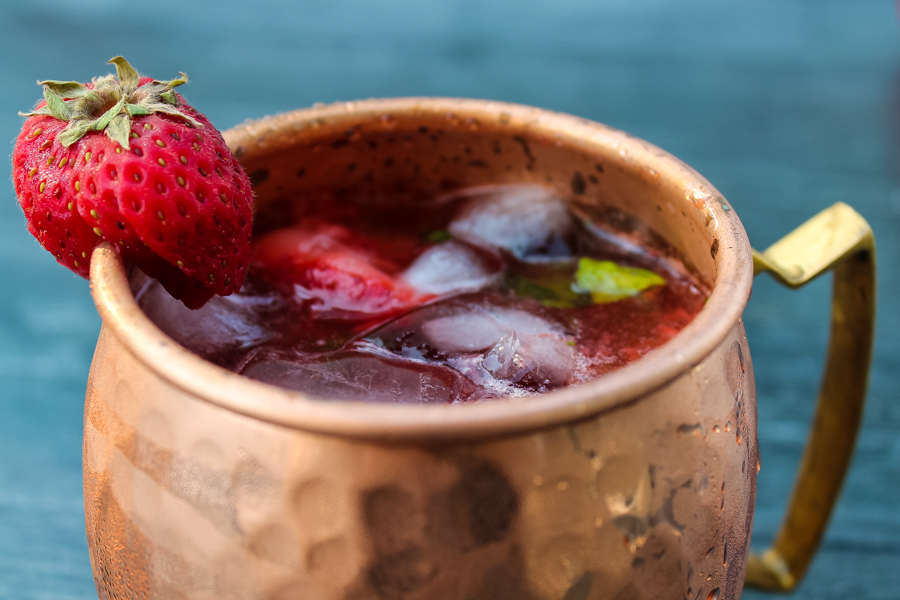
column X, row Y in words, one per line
column 444, row 423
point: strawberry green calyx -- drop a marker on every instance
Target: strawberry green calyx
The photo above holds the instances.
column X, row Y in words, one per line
column 109, row 104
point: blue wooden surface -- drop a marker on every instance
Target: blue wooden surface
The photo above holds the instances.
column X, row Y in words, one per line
column 787, row 106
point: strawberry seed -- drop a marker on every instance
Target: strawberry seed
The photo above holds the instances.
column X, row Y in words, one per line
column 183, row 160
column 161, row 215
column 181, row 181
column 70, row 206
column 138, row 152
column 161, row 161
column 43, row 185
column 77, row 187
column 98, row 232
column 94, row 214
column 63, row 162
column 37, row 132
column 160, row 143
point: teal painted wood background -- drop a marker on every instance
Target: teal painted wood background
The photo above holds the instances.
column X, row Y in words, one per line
column 787, row 106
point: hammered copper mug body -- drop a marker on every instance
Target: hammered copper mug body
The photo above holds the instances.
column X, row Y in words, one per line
column 203, row 484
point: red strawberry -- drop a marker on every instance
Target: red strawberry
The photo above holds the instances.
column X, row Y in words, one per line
column 125, row 159
column 333, row 266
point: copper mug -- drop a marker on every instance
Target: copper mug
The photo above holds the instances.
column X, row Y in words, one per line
column 200, row 483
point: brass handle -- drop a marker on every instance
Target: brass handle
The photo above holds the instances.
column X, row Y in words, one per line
column 837, row 239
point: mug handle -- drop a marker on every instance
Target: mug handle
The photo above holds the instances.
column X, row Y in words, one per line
column 837, row 239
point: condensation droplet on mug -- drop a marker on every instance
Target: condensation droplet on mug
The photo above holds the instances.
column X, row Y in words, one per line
column 538, row 480
column 728, row 426
column 686, row 429
column 758, row 464
column 714, row 595
column 701, row 199
column 696, row 195
column 716, row 429
column 725, row 555
column 737, row 436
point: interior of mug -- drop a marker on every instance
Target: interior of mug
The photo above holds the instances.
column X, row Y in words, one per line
column 418, row 153
column 409, row 150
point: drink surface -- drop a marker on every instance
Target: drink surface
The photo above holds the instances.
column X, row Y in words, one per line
column 489, row 292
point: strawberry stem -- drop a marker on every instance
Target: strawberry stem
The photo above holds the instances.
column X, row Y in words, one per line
column 110, row 105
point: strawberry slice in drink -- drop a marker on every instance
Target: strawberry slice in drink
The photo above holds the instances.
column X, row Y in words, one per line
column 335, row 268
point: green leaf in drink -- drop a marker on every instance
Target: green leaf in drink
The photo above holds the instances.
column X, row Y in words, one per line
column 608, row 282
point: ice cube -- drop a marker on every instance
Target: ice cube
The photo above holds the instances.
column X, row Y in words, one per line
column 224, row 324
column 361, row 376
column 467, row 331
column 450, row 267
column 530, row 221
column 485, row 337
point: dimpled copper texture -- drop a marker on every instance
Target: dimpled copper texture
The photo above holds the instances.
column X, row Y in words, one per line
column 202, row 484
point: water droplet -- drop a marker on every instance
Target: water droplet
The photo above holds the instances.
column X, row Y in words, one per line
column 695, row 430
column 714, row 595
column 716, row 429
column 538, row 480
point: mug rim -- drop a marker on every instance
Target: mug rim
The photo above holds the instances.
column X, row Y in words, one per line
column 403, row 422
